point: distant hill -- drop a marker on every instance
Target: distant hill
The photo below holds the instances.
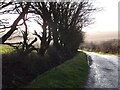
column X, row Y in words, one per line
column 100, row 36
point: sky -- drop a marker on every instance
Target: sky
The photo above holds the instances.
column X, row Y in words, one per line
column 105, row 25
column 105, row 22
column 107, row 18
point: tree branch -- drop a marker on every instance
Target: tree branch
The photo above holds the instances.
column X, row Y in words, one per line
column 13, row 27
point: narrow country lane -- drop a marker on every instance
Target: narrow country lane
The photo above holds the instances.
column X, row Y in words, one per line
column 103, row 71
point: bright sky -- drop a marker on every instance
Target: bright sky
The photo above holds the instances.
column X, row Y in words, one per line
column 107, row 19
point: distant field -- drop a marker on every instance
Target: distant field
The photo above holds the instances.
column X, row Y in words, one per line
column 4, row 49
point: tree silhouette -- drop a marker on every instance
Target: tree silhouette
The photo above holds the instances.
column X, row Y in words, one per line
column 62, row 22
column 13, row 26
column 66, row 20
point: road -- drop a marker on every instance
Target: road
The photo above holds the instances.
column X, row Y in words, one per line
column 103, row 71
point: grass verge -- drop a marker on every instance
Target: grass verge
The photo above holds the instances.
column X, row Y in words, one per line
column 71, row 74
column 117, row 54
column 5, row 49
column 107, row 53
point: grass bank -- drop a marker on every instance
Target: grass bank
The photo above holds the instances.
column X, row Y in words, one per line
column 71, row 74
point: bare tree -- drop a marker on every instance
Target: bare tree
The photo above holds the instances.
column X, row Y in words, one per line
column 62, row 22
column 66, row 20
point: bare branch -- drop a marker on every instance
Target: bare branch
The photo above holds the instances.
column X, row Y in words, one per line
column 35, row 33
column 5, row 5
column 8, row 34
column 32, row 42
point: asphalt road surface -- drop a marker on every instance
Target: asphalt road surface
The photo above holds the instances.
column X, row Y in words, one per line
column 103, row 71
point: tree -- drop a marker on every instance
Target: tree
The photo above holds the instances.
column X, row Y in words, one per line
column 62, row 22
column 66, row 20
column 22, row 9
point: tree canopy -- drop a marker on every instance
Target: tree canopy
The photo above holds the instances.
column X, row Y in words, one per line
column 62, row 23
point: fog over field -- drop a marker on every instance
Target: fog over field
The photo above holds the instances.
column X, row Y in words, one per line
column 89, row 37
column 100, row 36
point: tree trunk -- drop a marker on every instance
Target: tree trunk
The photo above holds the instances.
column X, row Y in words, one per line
column 42, row 51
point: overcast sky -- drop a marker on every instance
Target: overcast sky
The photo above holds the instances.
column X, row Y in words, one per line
column 107, row 19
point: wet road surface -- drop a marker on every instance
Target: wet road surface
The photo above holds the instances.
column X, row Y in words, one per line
column 103, row 71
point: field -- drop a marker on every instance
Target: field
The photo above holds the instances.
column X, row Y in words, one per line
column 4, row 49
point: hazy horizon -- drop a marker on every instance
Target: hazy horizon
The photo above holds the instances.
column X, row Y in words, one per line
column 106, row 22
column 100, row 36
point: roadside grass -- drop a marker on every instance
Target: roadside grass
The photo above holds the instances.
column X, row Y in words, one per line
column 103, row 53
column 108, row 53
column 71, row 74
column 4, row 49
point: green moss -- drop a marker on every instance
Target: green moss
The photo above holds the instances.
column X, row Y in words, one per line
column 72, row 73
